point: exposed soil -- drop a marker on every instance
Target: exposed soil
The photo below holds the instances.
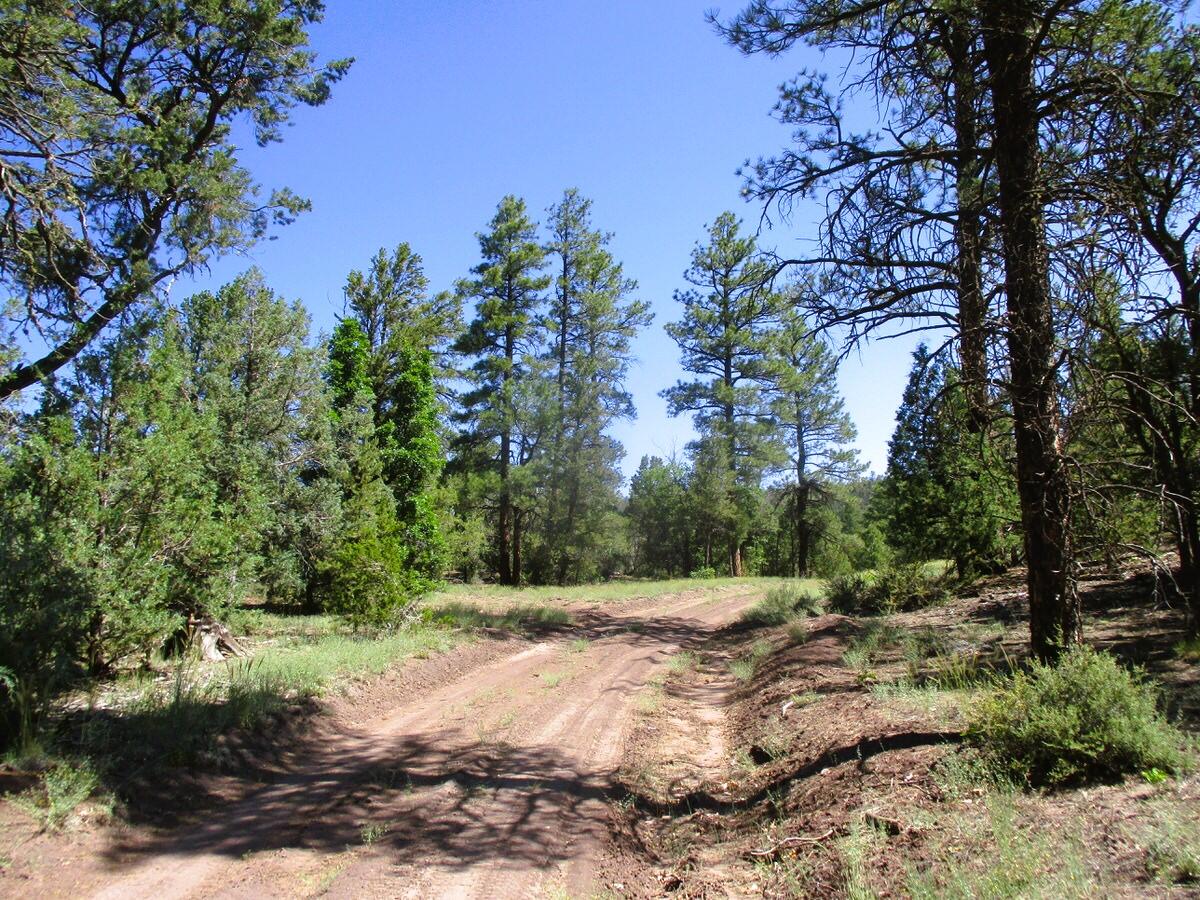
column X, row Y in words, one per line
column 487, row 772
column 819, row 766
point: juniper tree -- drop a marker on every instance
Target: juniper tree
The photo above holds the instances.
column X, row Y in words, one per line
column 120, row 169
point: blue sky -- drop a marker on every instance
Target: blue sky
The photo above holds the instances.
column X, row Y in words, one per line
column 451, row 105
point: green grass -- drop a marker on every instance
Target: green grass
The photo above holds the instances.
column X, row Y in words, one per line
column 743, row 669
column 1189, row 650
column 684, row 661
column 143, row 724
column 855, row 851
column 517, row 617
column 1172, row 840
column 1011, row 860
column 488, row 595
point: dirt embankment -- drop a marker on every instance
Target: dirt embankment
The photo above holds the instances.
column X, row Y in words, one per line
column 826, row 770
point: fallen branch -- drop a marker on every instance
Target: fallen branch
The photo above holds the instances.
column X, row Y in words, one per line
column 792, row 842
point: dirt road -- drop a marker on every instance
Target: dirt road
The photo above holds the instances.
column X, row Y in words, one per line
column 494, row 784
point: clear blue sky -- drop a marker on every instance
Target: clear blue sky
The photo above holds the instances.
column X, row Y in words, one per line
column 450, row 105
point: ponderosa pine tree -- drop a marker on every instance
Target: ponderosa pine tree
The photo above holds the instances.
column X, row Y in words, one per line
column 1046, row 71
column 499, row 411
column 810, row 426
column 590, row 323
column 723, row 339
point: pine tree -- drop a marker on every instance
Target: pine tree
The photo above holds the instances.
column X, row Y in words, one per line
column 590, row 322
column 501, row 410
column 722, row 336
column 810, row 425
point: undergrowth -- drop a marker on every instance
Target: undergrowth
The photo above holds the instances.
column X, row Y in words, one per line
column 786, row 603
column 1086, row 719
column 891, row 589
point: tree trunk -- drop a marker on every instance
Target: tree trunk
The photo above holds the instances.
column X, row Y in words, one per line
column 968, row 169
column 1043, row 487
column 516, row 549
column 803, row 541
column 505, row 514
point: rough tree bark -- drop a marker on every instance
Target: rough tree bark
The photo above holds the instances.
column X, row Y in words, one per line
column 1009, row 27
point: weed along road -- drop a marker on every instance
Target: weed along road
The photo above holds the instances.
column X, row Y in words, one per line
column 494, row 783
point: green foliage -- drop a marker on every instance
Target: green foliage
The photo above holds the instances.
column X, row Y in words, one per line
column 389, row 548
column 392, row 305
column 723, row 338
column 110, row 530
column 123, row 163
column 947, row 493
column 1086, row 719
column 781, row 605
column 891, row 589
column 501, row 410
column 349, row 366
column 847, row 594
column 810, row 429
column 261, row 385
column 590, row 324
column 60, row 790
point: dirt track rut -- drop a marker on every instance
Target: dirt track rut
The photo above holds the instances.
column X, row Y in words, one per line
column 493, row 785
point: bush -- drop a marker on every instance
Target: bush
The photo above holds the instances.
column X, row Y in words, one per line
column 781, row 605
column 1086, row 719
column 890, row 589
column 847, row 594
column 704, row 572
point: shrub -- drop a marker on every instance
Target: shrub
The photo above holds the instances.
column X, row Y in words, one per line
column 62, row 788
column 846, row 594
column 1086, row 719
column 908, row 586
column 781, row 605
column 704, row 572
column 890, row 589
